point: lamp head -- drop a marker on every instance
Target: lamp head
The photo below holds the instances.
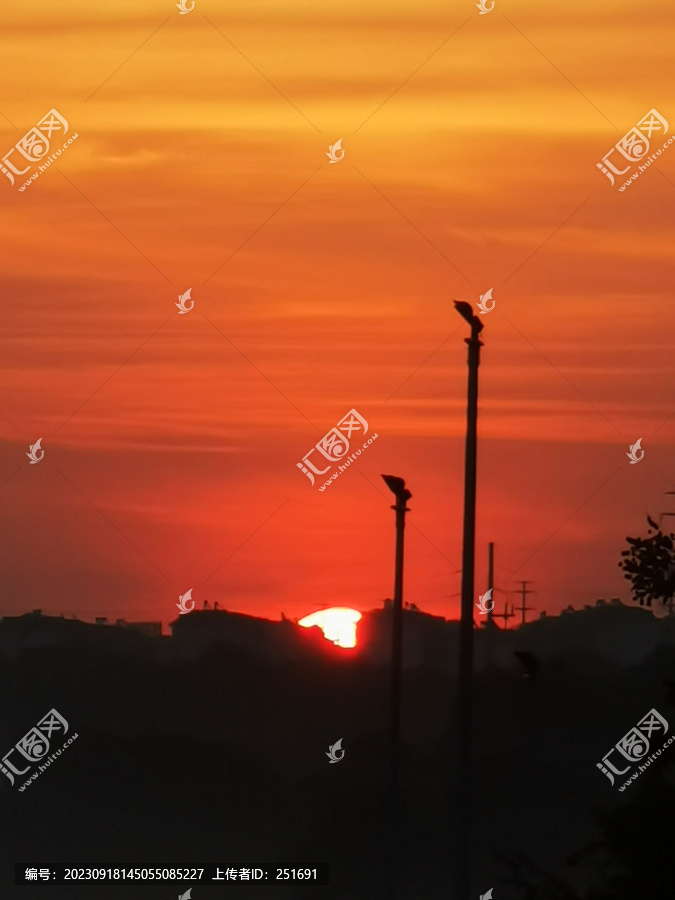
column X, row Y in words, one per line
column 465, row 311
column 397, row 486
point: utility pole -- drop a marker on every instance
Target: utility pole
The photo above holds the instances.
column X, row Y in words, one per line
column 491, row 582
column 398, row 488
column 462, row 839
column 505, row 615
column 522, row 609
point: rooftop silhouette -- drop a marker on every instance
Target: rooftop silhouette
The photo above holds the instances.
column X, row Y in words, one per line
column 613, row 630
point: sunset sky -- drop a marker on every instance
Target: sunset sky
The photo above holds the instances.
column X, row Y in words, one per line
column 172, row 441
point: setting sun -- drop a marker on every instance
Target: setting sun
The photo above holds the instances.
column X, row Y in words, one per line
column 337, row 623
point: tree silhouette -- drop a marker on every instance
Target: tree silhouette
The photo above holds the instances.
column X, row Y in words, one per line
column 650, row 565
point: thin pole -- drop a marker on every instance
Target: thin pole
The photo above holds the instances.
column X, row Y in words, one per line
column 463, row 841
column 397, row 637
column 491, row 581
column 397, row 485
column 506, row 615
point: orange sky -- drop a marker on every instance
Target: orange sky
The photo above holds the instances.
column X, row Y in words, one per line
column 471, row 144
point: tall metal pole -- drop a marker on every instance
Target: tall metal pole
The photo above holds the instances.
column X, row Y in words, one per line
column 491, row 581
column 462, row 838
column 397, row 486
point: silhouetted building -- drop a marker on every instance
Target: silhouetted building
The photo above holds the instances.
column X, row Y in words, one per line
column 33, row 630
column 151, row 629
column 260, row 637
column 608, row 629
column 612, row 630
column 427, row 639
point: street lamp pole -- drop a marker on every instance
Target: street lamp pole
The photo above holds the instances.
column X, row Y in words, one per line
column 463, row 842
column 398, row 488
